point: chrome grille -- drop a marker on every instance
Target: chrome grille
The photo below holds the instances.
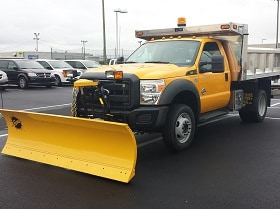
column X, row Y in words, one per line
column 44, row 75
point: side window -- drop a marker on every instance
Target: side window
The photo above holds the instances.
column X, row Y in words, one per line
column 73, row 64
column 4, row 64
column 206, row 57
column 212, row 48
column 80, row 65
column 45, row 65
column 209, row 50
column 12, row 66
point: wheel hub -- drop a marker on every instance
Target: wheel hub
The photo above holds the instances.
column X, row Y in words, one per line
column 262, row 106
column 183, row 128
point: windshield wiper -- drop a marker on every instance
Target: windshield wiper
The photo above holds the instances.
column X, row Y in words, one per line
column 130, row 62
column 157, row 62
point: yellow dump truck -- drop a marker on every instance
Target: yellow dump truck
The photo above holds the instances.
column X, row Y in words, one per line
column 180, row 77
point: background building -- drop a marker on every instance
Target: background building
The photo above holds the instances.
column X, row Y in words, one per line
column 96, row 55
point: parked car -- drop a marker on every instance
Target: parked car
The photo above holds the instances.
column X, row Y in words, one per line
column 63, row 72
column 3, row 80
column 83, row 64
column 23, row 72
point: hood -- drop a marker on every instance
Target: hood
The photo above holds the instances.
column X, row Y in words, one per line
column 146, row 71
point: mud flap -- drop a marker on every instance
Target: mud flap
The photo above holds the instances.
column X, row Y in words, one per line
column 101, row 148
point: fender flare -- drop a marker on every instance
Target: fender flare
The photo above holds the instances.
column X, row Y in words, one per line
column 176, row 87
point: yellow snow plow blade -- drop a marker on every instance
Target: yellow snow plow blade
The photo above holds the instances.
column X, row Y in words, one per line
column 96, row 147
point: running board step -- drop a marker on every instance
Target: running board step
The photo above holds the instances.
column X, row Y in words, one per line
column 213, row 114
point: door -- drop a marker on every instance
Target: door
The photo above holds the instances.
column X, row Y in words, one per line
column 213, row 85
column 13, row 71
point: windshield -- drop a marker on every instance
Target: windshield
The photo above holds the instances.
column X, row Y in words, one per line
column 29, row 64
column 59, row 64
column 179, row 52
column 91, row 64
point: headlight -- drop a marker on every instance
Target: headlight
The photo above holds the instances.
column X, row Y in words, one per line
column 64, row 73
column 32, row 74
column 150, row 91
column 114, row 74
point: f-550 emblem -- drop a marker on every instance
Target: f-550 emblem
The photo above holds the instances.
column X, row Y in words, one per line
column 203, row 91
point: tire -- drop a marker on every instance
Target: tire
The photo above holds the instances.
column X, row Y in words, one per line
column 257, row 112
column 180, row 128
column 22, row 82
column 57, row 81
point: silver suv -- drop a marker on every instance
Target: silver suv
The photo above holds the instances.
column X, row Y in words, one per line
column 83, row 64
column 63, row 72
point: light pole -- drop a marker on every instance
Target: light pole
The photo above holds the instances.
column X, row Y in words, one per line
column 84, row 47
column 37, row 39
column 117, row 29
column 277, row 24
column 104, row 36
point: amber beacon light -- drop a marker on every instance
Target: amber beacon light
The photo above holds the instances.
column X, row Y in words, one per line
column 181, row 21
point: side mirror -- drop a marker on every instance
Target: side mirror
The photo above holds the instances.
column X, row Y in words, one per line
column 218, row 64
column 120, row 60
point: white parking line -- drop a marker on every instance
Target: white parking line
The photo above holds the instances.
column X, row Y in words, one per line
column 274, row 107
column 47, row 107
column 275, row 104
column 272, row 118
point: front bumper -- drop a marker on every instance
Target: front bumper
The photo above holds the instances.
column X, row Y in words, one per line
column 147, row 118
column 41, row 81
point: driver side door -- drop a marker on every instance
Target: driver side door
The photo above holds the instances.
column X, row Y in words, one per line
column 213, row 85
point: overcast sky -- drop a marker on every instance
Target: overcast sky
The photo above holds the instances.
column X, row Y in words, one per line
column 62, row 24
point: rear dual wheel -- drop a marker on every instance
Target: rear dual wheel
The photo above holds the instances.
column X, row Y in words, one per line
column 257, row 111
column 180, row 127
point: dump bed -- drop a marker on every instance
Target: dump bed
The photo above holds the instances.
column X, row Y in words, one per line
column 262, row 62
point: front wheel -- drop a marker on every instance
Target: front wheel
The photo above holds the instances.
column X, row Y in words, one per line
column 257, row 111
column 22, row 82
column 57, row 81
column 180, row 127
